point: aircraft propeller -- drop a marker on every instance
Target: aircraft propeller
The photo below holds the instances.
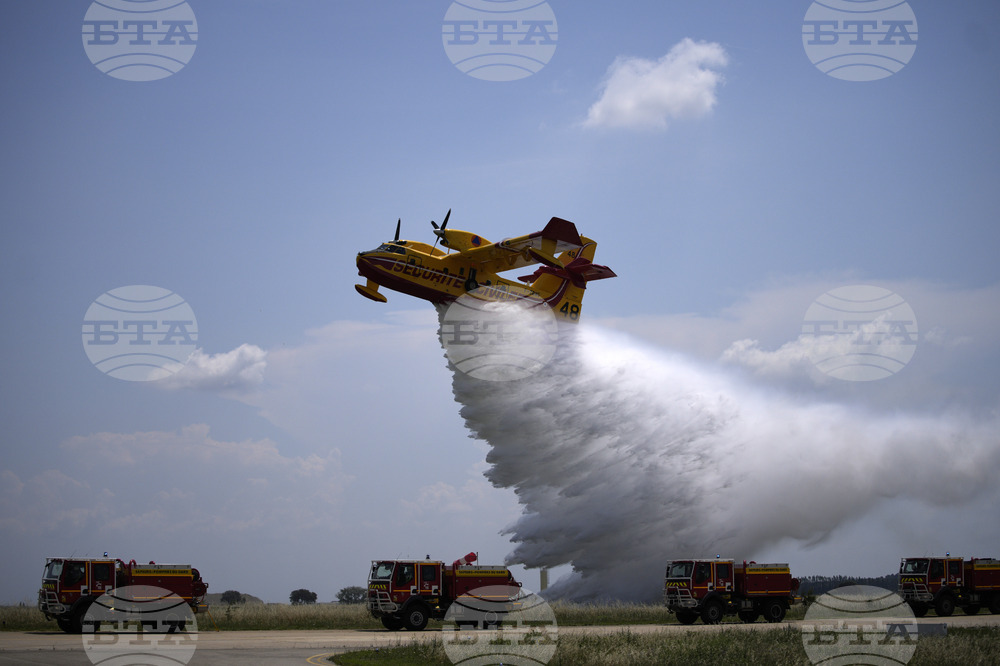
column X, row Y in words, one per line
column 439, row 231
column 398, row 223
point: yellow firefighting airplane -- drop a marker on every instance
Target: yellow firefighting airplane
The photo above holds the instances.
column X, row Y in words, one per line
column 472, row 266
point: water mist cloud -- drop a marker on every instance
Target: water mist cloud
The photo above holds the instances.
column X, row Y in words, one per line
column 625, row 456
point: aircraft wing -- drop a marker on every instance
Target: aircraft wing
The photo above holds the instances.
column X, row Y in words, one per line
column 558, row 236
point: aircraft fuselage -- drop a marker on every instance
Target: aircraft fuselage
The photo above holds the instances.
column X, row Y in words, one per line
column 438, row 278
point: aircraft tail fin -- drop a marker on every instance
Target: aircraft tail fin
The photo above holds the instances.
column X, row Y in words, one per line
column 579, row 272
column 576, row 266
column 561, row 230
column 562, row 286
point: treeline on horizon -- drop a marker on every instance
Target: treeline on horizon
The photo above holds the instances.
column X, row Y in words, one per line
column 819, row 585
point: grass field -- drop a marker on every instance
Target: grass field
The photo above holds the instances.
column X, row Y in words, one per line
column 258, row 616
column 961, row 647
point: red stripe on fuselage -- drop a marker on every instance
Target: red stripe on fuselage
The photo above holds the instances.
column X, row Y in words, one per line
column 431, row 285
column 389, row 273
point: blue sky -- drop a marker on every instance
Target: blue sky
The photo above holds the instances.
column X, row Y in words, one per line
column 319, row 429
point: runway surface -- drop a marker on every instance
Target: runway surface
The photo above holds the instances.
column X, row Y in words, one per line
column 271, row 648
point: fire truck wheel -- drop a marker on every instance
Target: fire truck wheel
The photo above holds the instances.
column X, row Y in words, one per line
column 774, row 611
column 686, row 617
column 75, row 620
column 995, row 604
column 712, row 613
column 415, row 618
column 748, row 616
column 392, row 623
column 944, row 606
column 65, row 624
column 971, row 610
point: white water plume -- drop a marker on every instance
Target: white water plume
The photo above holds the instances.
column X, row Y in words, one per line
column 624, row 457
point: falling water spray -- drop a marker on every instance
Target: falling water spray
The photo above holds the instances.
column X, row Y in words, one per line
column 624, row 456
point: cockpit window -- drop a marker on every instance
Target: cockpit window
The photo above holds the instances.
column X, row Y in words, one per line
column 395, row 248
column 680, row 570
column 381, row 571
column 53, row 569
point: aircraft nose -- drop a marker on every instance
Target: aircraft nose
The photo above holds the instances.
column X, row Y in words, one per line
column 366, row 266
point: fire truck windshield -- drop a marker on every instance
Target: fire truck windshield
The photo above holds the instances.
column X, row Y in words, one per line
column 53, row 569
column 913, row 567
column 381, row 570
column 680, row 569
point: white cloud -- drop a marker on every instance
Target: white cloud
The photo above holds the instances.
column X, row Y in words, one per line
column 646, row 94
column 439, row 499
column 49, row 501
column 797, row 356
column 193, row 444
column 123, row 481
column 232, row 371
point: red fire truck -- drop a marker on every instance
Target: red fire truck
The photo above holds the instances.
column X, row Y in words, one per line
column 711, row 589
column 407, row 593
column 944, row 583
column 71, row 585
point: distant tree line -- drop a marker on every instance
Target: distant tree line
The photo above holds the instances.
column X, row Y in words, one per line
column 347, row 595
column 819, row 585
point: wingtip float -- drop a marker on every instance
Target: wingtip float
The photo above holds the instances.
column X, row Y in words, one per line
column 474, row 264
